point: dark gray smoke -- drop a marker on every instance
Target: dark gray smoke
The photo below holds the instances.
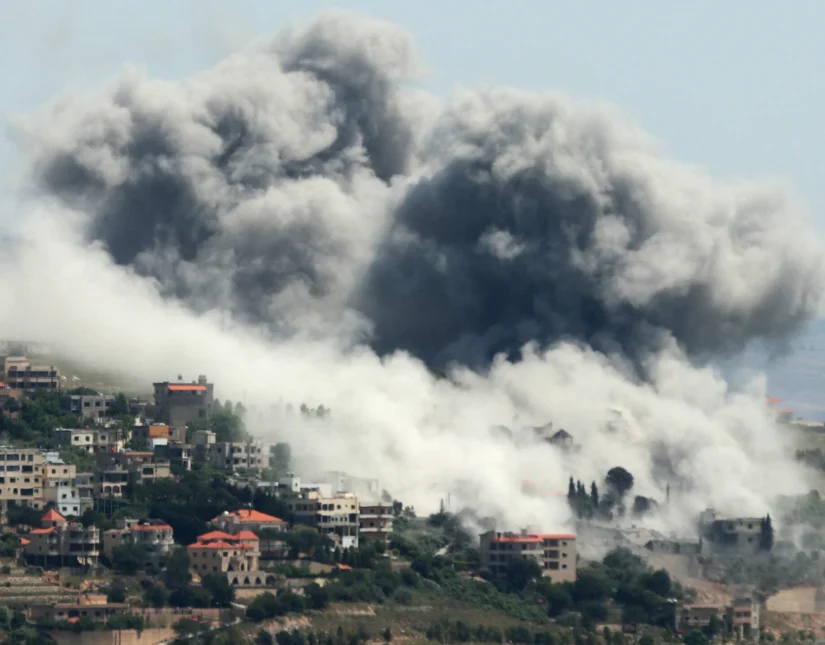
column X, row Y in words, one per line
column 302, row 186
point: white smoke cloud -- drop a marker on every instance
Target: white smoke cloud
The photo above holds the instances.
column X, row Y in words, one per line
column 260, row 222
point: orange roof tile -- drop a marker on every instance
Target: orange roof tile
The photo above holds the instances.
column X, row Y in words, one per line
column 214, row 535
column 41, row 531
column 518, row 539
column 245, row 535
column 557, row 536
column 248, row 515
column 24, row 541
column 151, row 527
column 344, row 567
column 52, row 516
column 219, row 544
column 187, row 388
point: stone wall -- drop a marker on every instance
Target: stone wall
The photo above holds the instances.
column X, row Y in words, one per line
column 151, row 636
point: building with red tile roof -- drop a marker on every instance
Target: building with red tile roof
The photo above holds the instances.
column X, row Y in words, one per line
column 250, row 520
column 59, row 543
column 177, row 404
column 218, row 552
column 555, row 553
column 154, row 537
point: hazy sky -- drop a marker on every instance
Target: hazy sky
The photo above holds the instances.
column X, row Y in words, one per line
column 734, row 85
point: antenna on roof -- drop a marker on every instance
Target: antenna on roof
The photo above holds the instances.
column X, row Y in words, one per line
column 180, row 377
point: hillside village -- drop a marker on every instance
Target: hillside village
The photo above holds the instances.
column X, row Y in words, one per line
column 164, row 518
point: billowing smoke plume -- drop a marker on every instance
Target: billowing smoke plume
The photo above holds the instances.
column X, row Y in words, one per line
column 324, row 215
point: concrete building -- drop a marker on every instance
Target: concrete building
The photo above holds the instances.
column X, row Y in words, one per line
column 554, row 552
column 155, row 538
column 177, row 404
column 21, row 478
column 59, row 543
column 336, row 517
column 177, row 454
column 60, row 489
column 66, row 500
column 727, row 535
column 92, row 606
column 84, row 483
column 143, row 467
column 92, row 441
column 83, row 439
column 20, row 374
column 363, row 487
column 150, row 435
column 88, row 406
column 239, row 455
column 294, row 484
column 57, row 472
column 202, row 443
column 740, row 617
column 375, row 521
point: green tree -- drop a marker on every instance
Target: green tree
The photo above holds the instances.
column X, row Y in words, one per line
column 128, row 559
column 119, row 406
column 619, row 481
column 387, row 635
column 695, row 637
column 520, row 572
column 223, row 593
column 116, row 591
column 177, row 574
column 227, row 426
column 317, row 596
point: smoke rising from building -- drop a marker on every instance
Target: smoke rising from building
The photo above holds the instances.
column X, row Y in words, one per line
column 302, row 225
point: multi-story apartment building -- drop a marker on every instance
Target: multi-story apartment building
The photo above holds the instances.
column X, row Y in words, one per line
column 177, row 404
column 83, row 439
column 202, row 443
column 151, row 435
column 94, row 607
column 376, row 521
column 92, row 441
column 740, row 617
column 21, row 478
column 178, row 454
column 741, row 534
column 154, row 537
column 85, row 485
column 111, row 481
column 335, row 517
column 365, row 487
column 21, row 374
column 66, row 500
column 88, row 406
column 59, row 543
column 7, row 393
column 118, row 469
column 56, row 472
column 239, row 455
column 555, row 553
column 235, row 555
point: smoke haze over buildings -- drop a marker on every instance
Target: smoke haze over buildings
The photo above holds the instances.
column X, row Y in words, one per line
column 302, row 225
